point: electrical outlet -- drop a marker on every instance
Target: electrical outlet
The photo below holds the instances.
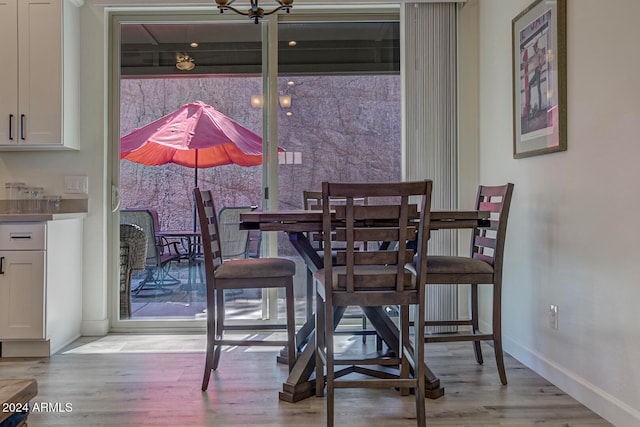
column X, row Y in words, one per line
column 553, row 316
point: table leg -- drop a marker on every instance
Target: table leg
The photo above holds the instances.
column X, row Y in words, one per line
column 300, row 384
column 390, row 334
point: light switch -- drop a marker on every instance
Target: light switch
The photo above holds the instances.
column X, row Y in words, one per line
column 76, row 184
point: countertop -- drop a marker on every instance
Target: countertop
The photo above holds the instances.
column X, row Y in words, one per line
column 10, row 211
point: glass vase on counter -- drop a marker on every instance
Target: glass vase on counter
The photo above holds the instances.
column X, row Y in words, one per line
column 14, row 192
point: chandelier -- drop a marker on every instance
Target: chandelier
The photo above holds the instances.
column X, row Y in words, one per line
column 255, row 12
column 184, row 62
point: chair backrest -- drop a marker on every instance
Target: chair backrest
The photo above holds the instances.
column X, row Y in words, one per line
column 143, row 218
column 487, row 244
column 389, row 217
column 133, row 252
column 234, row 241
column 312, row 200
column 135, row 239
column 211, row 247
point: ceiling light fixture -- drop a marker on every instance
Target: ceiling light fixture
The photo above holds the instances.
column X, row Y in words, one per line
column 184, row 62
column 255, row 12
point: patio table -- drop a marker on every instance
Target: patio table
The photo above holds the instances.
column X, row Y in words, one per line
column 296, row 223
column 190, row 241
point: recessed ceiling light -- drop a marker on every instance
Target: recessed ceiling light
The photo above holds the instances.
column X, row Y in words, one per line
column 293, row 43
column 194, row 45
column 291, row 83
column 289, row 113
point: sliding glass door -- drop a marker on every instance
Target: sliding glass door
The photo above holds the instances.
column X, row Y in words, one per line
column 336, row 79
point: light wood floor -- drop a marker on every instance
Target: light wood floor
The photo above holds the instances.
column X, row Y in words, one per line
column 131, row 380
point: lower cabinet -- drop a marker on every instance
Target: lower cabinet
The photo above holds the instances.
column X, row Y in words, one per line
column 22, row 294
column 40, row 286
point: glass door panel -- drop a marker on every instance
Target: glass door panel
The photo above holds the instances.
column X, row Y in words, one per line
column 163, row 67
column 339, row 112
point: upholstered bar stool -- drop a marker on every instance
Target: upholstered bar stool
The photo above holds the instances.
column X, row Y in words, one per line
column 246, row 273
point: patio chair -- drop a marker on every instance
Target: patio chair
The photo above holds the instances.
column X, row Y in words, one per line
column 483, row 266
column 373, row 279
column 133, row 255
column 245, row 273
column 234, row 241
column 159, row 253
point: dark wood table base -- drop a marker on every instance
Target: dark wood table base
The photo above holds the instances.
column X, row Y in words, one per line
column 300, row 383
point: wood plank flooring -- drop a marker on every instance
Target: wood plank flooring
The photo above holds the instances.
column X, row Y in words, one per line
column 154, row 380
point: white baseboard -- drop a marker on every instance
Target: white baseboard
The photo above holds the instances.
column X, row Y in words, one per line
column 95, row 328
column 599, row 401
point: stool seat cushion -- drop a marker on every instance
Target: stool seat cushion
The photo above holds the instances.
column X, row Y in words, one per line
column 457, row 265
column 255, row 268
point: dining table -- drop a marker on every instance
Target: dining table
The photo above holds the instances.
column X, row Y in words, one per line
column 297, row 223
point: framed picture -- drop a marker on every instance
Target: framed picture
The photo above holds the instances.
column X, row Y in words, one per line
column 540, row 79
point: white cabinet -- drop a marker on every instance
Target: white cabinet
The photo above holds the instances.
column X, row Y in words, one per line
column 39, row 43
column 40, row 286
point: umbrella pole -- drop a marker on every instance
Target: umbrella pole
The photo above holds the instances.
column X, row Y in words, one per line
column 195, row 210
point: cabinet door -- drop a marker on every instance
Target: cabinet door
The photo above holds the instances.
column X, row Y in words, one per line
column 9, row 71
column 22, row 295
column 40, row 72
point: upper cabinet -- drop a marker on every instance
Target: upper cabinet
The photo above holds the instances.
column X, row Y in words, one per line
column 39, row 107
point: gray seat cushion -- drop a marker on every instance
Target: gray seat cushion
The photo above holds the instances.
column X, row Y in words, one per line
column 457, row 265
column 255, row 268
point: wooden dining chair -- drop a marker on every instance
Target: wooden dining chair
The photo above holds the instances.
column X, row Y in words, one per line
column 246, row 273
column 312, row 200
column 483, row 266
column 376, row 278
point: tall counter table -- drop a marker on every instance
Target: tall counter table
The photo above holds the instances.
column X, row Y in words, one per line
column 40, row 278
column 297, row 223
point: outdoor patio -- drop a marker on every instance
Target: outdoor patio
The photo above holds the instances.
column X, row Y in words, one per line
column 188, row 302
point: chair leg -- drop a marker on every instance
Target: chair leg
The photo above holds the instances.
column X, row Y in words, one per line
column 419, row 362
column 364, row 328
column 309, row 301
column 320, row 346
column 219, row 330
column 405, row 344
column 291, row 323
column 211, row 340
column 328, row 332
column 497, row 331
column 475, row 323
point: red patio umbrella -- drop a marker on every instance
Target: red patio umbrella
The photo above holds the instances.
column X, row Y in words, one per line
column 197, row 136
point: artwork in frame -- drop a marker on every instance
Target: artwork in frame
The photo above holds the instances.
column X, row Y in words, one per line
column 539, row 79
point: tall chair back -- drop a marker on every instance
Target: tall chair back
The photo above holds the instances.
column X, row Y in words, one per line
column 372, row 279
column 235, row 274
column 483, row 266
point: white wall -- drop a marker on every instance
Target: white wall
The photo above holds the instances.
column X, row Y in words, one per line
column 573, row 235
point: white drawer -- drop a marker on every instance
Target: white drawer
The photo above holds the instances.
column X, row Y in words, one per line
column 22, row 236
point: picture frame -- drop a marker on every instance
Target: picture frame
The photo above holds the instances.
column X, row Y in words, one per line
column 539, row 74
